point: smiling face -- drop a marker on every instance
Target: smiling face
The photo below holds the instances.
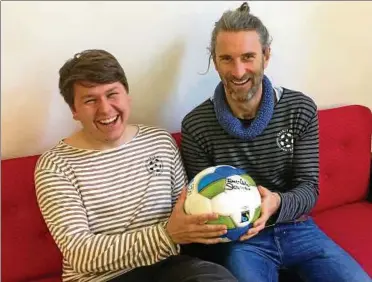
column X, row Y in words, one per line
column 103, row 110
column 240, row 63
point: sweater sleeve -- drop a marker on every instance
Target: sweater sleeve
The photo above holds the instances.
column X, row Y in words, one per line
column 66, row 217
column 302, row 198
column 194, row 156
column 179, row 177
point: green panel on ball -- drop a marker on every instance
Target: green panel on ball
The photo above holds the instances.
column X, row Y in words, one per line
column 249, row 179
column 213, row 189
column 224, row 220
column 257, row 213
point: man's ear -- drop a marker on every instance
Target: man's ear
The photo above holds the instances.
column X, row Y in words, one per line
column 266, row 56
column 74, row 114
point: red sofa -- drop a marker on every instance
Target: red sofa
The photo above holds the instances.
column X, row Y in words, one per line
column 29, row 253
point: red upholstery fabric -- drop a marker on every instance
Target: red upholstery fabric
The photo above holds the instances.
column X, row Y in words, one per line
column 345, row 146
column 177, row 137
column 350, row 227
column 30, row 254
column 27, row 249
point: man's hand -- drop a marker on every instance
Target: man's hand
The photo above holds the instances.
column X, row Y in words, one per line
column 184, row 229
column 270, row 204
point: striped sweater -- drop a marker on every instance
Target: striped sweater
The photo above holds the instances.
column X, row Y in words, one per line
column 106, row 210
column 284, row 158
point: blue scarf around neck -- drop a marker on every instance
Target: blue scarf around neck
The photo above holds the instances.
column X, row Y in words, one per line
column 234, row 126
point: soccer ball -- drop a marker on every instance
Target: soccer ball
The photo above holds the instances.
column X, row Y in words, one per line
column 228, row 191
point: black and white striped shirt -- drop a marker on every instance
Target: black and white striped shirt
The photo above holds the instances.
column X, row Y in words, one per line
column 284, row 158
column 107, row 210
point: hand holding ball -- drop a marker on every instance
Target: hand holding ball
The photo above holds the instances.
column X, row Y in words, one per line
column 229, row 192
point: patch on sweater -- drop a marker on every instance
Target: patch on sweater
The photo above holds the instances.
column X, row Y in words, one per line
column 154, row 165
column 284, row 140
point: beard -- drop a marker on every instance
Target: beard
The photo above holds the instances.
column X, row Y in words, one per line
column 243, row 93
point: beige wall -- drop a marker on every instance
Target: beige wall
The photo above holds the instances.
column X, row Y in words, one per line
column 321, row 48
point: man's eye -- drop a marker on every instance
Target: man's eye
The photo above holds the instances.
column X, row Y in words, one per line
column 111, row 95
column 226, row 59
column 91, row 101
column 248, row 57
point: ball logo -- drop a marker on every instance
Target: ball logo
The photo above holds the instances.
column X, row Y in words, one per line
column 245, row 216
column 154, row 165
column 236, row 184
column 284, row 140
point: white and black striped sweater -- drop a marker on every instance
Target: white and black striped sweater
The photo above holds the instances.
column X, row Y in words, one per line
column 106, row 210
column 284, row 158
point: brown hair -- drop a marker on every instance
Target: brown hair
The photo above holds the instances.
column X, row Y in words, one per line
column 93, row 66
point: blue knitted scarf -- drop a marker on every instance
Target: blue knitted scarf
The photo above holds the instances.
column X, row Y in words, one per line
column 236, row 127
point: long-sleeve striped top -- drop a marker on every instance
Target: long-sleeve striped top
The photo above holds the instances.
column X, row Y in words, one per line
column 107, row 210
column 284, row 158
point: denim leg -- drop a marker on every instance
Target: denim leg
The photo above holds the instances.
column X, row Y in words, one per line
column 315, row 256
column 254, row 260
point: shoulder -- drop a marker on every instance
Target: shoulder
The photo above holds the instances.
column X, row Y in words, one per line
column 52, row 169
column 297, row 101
column 151, row 134
column 202, row 111
column 50, row 159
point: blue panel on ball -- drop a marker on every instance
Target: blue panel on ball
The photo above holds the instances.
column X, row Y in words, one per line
column 208, row 179
column 240, row 171
column 225, row 171
column 236, row 233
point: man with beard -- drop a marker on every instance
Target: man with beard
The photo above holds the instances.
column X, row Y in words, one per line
column 272, row 133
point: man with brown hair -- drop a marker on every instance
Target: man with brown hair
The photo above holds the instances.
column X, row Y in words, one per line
column 271, row 133
column 108, row 193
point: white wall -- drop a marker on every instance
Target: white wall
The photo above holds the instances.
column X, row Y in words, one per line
column 321, row 48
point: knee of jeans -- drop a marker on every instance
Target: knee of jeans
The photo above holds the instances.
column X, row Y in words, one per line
column 218, row 270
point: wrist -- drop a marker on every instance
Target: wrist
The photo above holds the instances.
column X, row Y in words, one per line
column 278, row 201
column 165, row 227
column 174, row 246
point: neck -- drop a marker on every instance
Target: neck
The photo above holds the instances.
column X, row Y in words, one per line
column 82, row 140
column 245, row 109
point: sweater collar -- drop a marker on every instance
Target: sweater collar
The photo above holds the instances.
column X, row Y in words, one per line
column 234, row 126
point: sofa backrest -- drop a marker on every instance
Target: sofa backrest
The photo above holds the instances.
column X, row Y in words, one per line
column 29, row 252
column 345, row 155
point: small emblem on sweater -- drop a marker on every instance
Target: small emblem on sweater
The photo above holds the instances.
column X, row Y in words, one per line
column 154, row 165
column 284, row 140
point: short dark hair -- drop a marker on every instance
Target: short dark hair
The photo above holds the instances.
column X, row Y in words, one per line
column 95, row 66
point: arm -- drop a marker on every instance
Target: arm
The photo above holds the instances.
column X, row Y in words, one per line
column 178, row 174
column 302, row 198
column 194, row 157
column 66, row 218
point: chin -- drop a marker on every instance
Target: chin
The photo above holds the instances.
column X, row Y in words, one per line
column 242, row 97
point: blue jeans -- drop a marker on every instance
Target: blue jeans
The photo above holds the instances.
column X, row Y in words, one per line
column 299, row 246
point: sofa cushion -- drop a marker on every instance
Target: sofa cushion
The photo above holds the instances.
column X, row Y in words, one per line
column 344, row 153
column 28, row 251
column 350, row 227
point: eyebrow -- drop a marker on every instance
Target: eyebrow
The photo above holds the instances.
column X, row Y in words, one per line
column 249, row 54
column 88, row 96
column 244, row 54
column 111, row 89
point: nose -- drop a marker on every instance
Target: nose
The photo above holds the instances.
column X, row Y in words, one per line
column 104, row 106
column 238, row 70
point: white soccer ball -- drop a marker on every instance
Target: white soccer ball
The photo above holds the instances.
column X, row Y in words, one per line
column 228, row 191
